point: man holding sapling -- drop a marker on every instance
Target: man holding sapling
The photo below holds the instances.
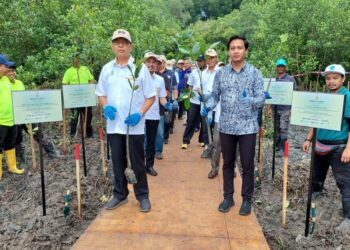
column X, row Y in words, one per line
column 79, row 74
column 194, row 119
column 333, row 147
column 125, row 100
column 239, row 87
column 153, row 114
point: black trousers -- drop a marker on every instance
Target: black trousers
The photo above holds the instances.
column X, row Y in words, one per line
column 341, row 172
column 74, row 120
column 8, row 136
column 137, row 157
column 151, row 132
column 247, row 153
column 181, row 110
column 192, row 117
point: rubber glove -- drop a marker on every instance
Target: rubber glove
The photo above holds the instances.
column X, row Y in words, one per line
column 267, row 95
column 109, row 112
column 205, row 111
column 204, row 98
column 246, row 101
column 133, row 119
column 169, row 106
column 210, row 118
column 175, row 105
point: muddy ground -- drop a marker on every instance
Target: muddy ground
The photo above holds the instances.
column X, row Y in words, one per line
column 22, row 225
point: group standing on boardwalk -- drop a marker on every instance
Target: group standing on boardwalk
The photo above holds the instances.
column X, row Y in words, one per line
column 140, row 111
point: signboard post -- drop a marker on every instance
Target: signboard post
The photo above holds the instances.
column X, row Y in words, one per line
column 317, row 111
column 282, row 94
column 80, row 96
column 37, row 106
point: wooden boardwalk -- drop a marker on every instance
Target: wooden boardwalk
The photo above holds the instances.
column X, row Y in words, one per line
column 184, row 211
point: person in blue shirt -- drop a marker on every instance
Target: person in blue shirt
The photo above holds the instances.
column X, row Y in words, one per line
column 338, row 142
column 239, row 87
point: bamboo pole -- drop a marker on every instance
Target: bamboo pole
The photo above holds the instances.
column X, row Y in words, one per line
column 32, row 145
column 64, row 132
column 260, row 164
column 77, row 165
column 285, row 177
column 103, row 156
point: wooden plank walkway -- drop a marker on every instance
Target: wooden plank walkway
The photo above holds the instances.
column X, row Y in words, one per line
column 184, row 211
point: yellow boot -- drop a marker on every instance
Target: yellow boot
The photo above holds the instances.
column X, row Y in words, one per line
column 0, row 166
column 11, row 162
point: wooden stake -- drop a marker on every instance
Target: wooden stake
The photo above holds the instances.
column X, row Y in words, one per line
column 32, row 145
column 103, row 156
column 77, row 170
column 285, row 177
column 324, row 88
column 85, row 121
column 348, row 84
column 64, row 132
column 260, row 166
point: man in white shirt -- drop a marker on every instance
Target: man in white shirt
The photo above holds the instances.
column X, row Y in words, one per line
column 153, row 115
column 125, row 106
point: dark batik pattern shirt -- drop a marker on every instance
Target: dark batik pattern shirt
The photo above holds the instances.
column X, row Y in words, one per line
column 229, row 87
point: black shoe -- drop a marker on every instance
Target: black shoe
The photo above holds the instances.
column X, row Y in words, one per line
column 196, row 130
column 158, row 155
column 212, row 174
column 145, row 205
column 226, row 205
column 171, row 131
column 114, row 203
column 166, row 141
column 246, row 207
column 151, row 171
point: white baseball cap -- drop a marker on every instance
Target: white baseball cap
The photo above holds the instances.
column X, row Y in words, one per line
column 334, row 68
column 149, row 55
column 211, row 52
column 121, row 33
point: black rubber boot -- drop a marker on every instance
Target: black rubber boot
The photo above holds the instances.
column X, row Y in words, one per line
column 50, row 149
column 344, row 226
column 20, row 154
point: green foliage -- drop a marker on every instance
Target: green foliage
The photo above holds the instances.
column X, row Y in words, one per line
column 43, row 36
column 306, row 33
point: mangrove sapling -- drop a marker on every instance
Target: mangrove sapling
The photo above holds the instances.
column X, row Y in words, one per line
column 129, row 173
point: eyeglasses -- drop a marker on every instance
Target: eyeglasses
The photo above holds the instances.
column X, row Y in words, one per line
column 122, row 43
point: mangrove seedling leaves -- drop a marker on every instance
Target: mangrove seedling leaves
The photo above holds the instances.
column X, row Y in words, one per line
column 196, row 49
column 184, row 51
column 187, row 104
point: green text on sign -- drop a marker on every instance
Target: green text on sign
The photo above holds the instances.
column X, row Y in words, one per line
column 79, row 95
column 281, row 92
column 317, row 110
column 37, row 106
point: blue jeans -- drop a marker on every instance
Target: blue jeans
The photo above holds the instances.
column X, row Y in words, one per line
column 160, row 135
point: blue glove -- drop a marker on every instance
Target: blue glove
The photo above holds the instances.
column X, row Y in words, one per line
column 210, row 118
column 205, row 111
column 204, row 98
column 175, row 104
column 169, row 106
column 109, row 112
column 133, row 119
column 246, row 101
column 267, row 95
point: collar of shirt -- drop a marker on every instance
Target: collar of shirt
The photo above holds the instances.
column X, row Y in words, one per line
column 241, row 70
column 130, row 63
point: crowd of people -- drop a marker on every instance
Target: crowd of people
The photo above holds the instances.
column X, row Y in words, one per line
column 225, row 108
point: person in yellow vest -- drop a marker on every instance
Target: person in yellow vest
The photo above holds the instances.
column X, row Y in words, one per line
column 79, row 74
column 8, row 131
